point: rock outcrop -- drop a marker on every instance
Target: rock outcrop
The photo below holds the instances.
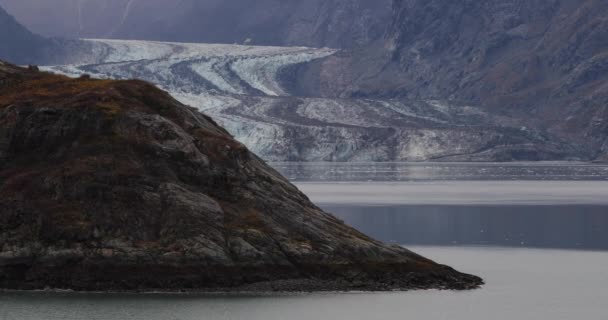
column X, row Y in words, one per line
column 114, row 185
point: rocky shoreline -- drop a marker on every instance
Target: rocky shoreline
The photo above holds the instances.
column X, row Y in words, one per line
column 111, row 276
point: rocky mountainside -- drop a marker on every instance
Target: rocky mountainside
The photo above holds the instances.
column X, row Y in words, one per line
column 114, row 185
column 543, row 62
column 318, row 23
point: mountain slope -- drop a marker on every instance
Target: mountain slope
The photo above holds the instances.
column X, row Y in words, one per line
column 114, row 185
column 544, row 62
column 17, row 44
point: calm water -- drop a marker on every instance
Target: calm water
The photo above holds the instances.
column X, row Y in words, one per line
column 536, row 232
column 521, row 284
column 529, row 205
column 547, row 226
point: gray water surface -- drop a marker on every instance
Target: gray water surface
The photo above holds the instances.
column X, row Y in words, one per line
column 548, row 226
column 527, row 205
column 521, row 284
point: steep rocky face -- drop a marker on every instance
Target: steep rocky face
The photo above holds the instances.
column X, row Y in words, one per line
column 318, row 23
column 543, row 61
column 114, row 185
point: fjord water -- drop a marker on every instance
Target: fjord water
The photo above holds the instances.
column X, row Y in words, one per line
column 542, row 205
column 536, row 232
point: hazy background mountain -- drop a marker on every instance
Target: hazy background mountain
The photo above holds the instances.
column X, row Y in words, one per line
column 21, row 46
column 331, row 23
column 18, row 44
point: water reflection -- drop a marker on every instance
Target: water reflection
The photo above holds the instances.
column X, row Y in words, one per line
column 571, row 227
column 325, row 171
column 537, row 204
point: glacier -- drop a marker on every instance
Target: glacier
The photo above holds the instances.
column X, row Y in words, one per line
column 243, row 88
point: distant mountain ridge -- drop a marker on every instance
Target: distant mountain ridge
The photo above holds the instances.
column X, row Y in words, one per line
column 317, row 23
column 17, row 44
column 21, row 46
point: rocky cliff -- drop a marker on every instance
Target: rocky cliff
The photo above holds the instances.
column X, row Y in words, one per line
column 114, row 185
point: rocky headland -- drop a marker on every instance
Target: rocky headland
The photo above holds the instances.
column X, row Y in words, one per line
column 114, row 185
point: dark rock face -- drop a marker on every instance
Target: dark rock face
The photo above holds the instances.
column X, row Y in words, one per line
column 318, row 23
column 541, row 61
column 113, row 185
